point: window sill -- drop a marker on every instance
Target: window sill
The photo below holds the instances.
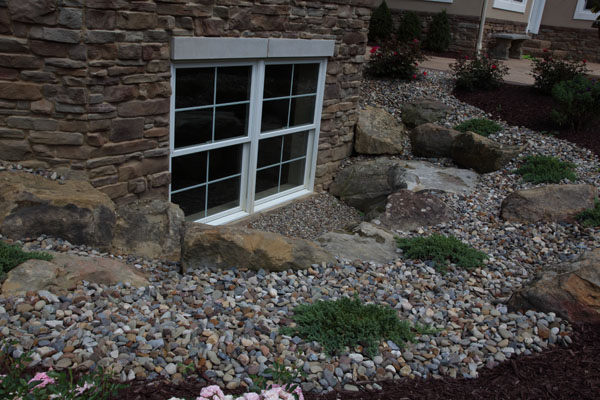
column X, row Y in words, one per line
column 508, row 5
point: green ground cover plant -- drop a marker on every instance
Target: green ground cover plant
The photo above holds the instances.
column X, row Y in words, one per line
column 481, row 126
column 441, row 250
column 12, row 255
column 381, row 25
column 590, row 218
column 348, row 322
column 546, row 169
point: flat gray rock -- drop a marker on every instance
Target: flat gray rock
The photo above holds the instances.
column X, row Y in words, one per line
column 423, row 175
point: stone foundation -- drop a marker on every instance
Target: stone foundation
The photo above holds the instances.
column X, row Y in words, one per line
column 85, row 85
column 578, row 43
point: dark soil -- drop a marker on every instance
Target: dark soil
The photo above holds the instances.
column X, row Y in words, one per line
column 559, row 373
column 525, row 106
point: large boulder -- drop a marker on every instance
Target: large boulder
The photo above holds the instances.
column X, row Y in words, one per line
column 226, row 247
column 423, row 111
column 484, row 155
column 365, row 185
column 552, row 203
column 406, row 210
column 423, row 175
column 65, row 271
column 429, row 140
column 31, row 205
column 378, row 132
column 364, row 241
column 149, row 228
column 571, row 290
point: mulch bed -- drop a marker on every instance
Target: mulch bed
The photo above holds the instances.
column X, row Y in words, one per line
column 525, row 106
column 558, row 373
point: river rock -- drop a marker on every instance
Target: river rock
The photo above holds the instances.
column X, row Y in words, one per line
column 554, row 203
column 378, row 132
column 571, row 290
column 423, row 175
column 365, row 185
column 432, row 141
column 364, row 241
column 423, row 111
column 32, row 205
column 226, row 247
column 65, row 271
column 149, row 228
column 484, row 155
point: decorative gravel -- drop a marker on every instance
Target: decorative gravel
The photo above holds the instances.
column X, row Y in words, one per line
column 226, row 322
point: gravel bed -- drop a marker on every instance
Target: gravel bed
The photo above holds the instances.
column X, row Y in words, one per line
column 226, row 322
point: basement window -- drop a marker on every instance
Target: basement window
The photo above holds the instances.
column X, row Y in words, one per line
column 583, row 11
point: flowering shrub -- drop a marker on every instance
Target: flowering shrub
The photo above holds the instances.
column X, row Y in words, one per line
column 395, row 60
column 478, row 72
column 578, row 101
column 275, row 393
column 548, row 71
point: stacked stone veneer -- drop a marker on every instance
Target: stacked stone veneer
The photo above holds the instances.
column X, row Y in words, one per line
column 85, row 85
column 578, row 43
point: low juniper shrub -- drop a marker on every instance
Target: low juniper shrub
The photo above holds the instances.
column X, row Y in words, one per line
column 409, row 27
column 381, row 26
column 438, row 34
column 578, row 102
column 441, row 250
column 478, row 72
column 395, row 60
column 590, row 218
column 481, row 126
column 546, row 169
column 548, row 71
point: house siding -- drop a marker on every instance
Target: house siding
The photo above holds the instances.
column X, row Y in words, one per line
column 85, row 85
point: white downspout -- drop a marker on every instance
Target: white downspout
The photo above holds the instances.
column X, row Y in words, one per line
column 481, row 27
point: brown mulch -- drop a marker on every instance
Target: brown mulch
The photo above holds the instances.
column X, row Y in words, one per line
column 525, row 106
column 558, row 373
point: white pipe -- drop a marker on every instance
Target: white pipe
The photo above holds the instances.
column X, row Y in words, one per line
column 481, row 27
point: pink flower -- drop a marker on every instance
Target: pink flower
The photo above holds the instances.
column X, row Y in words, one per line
column 250, row 396
column 424, row 73
column 414, row 76
column 43, row 378
column 494, row 66
column 416, row 64
column 584, row 61
column 212, row 392
column 415, row 40
column 81, row 389
column 374, row 49
column 466, row 57
column 395, row 53
column 545, row 50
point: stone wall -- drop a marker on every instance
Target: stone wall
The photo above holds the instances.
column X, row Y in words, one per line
column 578, row 43
column 85, row 85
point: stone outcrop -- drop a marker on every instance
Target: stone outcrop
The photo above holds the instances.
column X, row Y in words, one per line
column 65, row 271
column 484, row 155
column 364, row 241
column 423, row 111
column 432, row 141
column 406, row 210
column 73, row 210
column 365, row 185
column 226, row 247
column 552, row 203
column 378, row 132
column 423, row 175
column 571, row 290
column 149, row 228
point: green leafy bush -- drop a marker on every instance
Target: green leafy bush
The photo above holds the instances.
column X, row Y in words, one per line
column 441, row 250
column 12, row 255
column 546, row 169
column 548, row 71
column 395, row 60
column 348, row 322
column 481, row 126
column 590, row 218
column 478, row 72
column 410, row 27
column 578, row 102
column 381, row 25
column 438, row 35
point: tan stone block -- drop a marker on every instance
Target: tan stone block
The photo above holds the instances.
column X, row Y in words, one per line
column 114, row 191
column 160, row 179
column 56, row 138
column 116, row 94
column 125, row 129
column 102, row 171
column 156, row 132
column 19, row 91
column 137, row 108
column 136, row 20
column 42, row 106
column 112, row 149
column 101, row 161
column 14, row 150
column 147, row 166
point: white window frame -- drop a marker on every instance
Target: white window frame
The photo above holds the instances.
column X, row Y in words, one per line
column 441, row 1
column 511, row 5
column 215, row 52
column 581, row 13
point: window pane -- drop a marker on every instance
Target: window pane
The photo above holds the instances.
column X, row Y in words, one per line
column 233, row 84
column 269, row 151
column 188, row 170
column 302, row 111
column 223, row 195
column 225, row 162
column 192, row 202
column 294, row 146
column 278, row 79
column 292, row 175
column 274, row 115
column 266, row 182
column 193, row 127
column 231, row 121
column 194, row 87
column 306, row 77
